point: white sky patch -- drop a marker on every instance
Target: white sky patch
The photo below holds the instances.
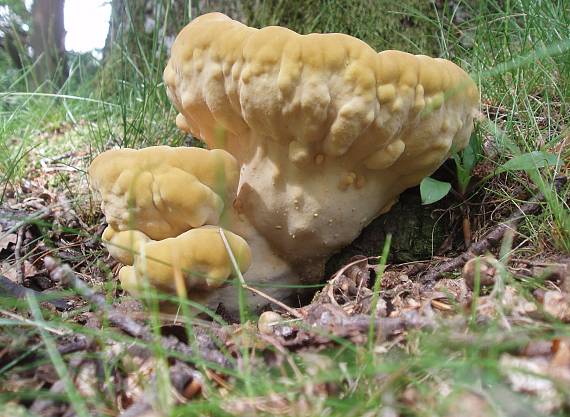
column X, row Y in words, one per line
column 87, row 24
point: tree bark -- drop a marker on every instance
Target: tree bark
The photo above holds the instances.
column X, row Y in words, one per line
column 142, row 18
column 416, row 231
column 12, row 42
column 48, row 42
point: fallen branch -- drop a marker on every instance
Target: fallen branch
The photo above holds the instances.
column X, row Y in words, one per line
column 8, row 288
column 79, row 344
column 328, row 316
column 206, row 349
column 492, row 238
column 244, row 285
column 34, row 217
column 20, row 269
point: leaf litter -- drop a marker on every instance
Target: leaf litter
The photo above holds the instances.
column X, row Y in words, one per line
column 515, row 309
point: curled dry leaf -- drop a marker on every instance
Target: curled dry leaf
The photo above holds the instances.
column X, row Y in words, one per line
column 558, row 273
column 86, row 380
column 294, row 404
column 557, row 304
column 468, row 404
column 455, row 288
column 560, row 363
column 507, row 302
column 317, row 366
column 532, row 376
column 273, row 404
column 137, row 380
column 13, row 410
column 8, row 240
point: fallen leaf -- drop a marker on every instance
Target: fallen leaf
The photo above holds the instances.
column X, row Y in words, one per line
column 561, row 358
column 509, row 301
column 530, row 376
column 468, row 404
column 8, row 240
column 557, row 304
column 86, row 380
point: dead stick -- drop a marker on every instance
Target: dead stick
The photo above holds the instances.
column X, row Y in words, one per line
column 80, row 343
column 494, row 237
column 38, row 215
column 292, row 311
column 20, row 268
column 12, row 292
column 386, row 325
column 207, row 350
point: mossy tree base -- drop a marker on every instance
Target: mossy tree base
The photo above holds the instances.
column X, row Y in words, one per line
column 417, row 233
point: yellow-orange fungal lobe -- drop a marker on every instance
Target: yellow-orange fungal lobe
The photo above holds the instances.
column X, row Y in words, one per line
column 386, row 93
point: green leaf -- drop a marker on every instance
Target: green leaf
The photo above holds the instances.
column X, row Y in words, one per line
column 528, row 161
column 433, row 190
column 463, row 172
column 469, row 156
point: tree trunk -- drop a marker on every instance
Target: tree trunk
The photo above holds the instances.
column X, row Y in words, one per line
column 418, row 232
column 12, row 43
column 142, row 18
column 48, row 42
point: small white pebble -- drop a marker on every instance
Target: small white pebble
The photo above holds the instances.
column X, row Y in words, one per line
column 266, row 322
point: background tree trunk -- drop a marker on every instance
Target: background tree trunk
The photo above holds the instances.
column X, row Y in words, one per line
column 143, row 19
column 48, row 42
column 12, row 42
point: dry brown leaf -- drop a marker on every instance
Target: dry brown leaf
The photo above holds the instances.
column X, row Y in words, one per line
column 531, row 376
column 509, row 302
column 11, row 409
column 138, row 379
column 557, row 304
column 560, row 363
column 468, row 404
column 7, row 240
column 9, row 271
column 455, row 288
column 86, row 380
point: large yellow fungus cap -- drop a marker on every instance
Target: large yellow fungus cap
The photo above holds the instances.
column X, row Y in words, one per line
column 325, row 132
column 328, row 131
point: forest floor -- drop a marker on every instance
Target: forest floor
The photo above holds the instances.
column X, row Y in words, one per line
column 445, row 340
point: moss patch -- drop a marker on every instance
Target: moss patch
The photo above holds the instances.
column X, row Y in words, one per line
column 407, row 25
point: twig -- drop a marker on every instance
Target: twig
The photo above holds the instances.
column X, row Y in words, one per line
column 292, row 311
column 80, row 343
column 386, row 326
column 326, row 322
column 13, row 290
column 350, row 264
column 32, row 323
column 207, row 350
column 494, row 237
column 20, row 269
column 38, row 215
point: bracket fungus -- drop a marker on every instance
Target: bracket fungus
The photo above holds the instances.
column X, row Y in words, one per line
column 311, row 137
